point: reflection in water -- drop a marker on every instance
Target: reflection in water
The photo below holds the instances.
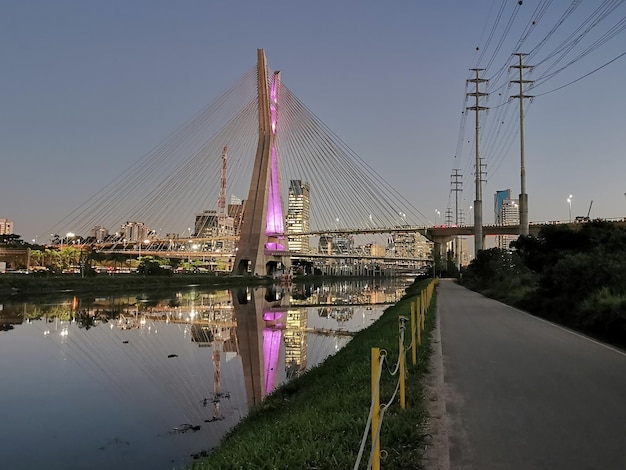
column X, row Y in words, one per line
column 261, row 319
column 147, row 380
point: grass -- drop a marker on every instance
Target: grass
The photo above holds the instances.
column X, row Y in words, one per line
column 317, row 420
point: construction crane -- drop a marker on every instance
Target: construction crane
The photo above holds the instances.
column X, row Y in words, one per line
column 581, row 218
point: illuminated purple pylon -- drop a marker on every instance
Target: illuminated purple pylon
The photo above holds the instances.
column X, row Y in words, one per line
column 261, row 249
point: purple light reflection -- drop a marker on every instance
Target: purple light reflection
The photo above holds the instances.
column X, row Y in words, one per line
column 272, row 336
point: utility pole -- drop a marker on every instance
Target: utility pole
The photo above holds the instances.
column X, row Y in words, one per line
column 457, row 187
column 523, row 197
column 449, row 217
column 478, row 203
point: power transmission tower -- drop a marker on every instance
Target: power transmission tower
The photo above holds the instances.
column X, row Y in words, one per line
column 523, row 197
column 457, row 187
column 449, row 217
column 478, row 203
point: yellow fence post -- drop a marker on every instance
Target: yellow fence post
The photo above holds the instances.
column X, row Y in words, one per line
column 375, row 409
column 414, row 332
column 419, row 321
column 401, row 360
column 424, row 308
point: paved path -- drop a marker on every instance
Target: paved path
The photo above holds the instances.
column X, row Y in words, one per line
column 521, row 393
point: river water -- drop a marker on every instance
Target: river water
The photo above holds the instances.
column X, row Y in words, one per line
column 147, row 380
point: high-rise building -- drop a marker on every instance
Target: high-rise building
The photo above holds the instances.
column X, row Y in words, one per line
column 236, row 210
column 99, row 233
column 335, row 245
column 506, row 213
column 498, row 201
column 134, row 231
column 411, row 245
column 209, row 224
column 205, row 224
column 298, row 213
column 509, row 214
column 6, row 226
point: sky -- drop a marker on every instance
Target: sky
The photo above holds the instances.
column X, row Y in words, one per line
column 89, row 87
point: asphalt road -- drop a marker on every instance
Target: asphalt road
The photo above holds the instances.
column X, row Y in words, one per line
column 522, row 393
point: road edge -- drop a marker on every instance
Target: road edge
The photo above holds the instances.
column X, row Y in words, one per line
column 437, row 448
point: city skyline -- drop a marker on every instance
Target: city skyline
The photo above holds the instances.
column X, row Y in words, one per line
column 90, row 88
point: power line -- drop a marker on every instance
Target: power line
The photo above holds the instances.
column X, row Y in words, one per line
column 584, row 76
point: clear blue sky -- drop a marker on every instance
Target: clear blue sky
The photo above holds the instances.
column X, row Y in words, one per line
column 88, row 87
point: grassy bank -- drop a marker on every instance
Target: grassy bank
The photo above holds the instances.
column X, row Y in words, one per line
column 21, row 284
column 317, row 420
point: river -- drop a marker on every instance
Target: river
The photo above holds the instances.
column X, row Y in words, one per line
column 147, row 380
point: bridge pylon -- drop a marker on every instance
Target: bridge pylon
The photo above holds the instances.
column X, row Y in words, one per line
column 262, row 246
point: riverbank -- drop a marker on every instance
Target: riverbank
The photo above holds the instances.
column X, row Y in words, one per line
column 317, row 420
column 12, row 285
column 33, row 284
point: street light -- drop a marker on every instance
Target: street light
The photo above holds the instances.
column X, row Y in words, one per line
column 437, row 214
column 569, row 201
column 67, row 236
column 146, row 241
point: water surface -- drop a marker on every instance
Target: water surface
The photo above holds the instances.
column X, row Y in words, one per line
column 146, row 380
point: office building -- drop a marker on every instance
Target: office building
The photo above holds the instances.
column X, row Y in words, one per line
column 221, row 229
column 134, row 231
column 99, row 233
column 506, row 211
column 298, row 216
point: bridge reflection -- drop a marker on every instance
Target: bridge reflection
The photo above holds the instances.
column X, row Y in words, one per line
column 270, row 334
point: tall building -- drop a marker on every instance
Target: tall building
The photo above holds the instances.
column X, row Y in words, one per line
column 335, row 245
column 506, row 213
column 236, row 210
column 134, row 231
column 411, row 245
column 205, row 224
column 498, row 201
column 6, row 226
column 298, row 213
column 209, row 224
column 99, row 233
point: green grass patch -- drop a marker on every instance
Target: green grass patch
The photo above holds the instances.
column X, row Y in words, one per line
column 317, row 421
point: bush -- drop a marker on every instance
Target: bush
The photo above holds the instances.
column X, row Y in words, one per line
column 575, row 277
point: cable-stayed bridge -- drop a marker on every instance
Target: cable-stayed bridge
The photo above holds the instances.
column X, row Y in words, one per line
column 175, row 198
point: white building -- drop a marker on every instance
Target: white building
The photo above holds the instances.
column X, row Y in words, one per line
column 6, row 226
column 509, row 215
column 298, row 216
column 99, row 233
column 134, row 231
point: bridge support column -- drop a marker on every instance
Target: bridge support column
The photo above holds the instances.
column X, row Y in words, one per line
column 262, row 247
